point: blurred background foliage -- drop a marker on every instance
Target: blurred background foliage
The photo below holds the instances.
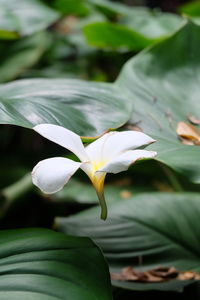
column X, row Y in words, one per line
column 92, row 40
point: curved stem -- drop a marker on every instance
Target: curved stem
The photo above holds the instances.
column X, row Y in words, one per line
column 98, row 182
column 102, row 201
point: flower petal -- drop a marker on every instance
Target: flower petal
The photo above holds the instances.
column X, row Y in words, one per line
column 51, row 174
column 114, row 143
column 123, row 161
column 63, row 137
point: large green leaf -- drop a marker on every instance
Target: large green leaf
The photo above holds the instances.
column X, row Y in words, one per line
column 83, row 107
column 163, row 84
column 21, row 54
column 145, row 231
column 42, row 264
column 137, row 27
column 22, row 17
column 114, row 36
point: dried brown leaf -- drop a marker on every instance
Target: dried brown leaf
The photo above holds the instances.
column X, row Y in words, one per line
column 189, row 132
column 187, row 275
column 187, row 142
column 160, row 274
column 164, row 272
column 131, row 274
column 193, row 119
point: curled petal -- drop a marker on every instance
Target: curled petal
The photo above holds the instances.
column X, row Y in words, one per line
column 63, row 137
column 50, row 175
column 111, row 144
column 123, row 161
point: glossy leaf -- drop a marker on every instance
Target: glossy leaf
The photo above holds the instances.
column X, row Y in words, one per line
column 83, row 107
column 146, row 231
column 42, row 264
column 24, row 17
column 163, row 85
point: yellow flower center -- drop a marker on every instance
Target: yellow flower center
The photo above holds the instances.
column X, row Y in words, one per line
column 97, row 165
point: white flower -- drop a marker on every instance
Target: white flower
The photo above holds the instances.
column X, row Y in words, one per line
column 113, row 152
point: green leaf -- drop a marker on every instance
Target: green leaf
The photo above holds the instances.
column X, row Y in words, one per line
column 151, row 24
column 21, row 55
column 162, row 83
column 24, row 17
column 146, row 231
column 83, row 107
column 138, row 26
column 42, row 264
column 114, row 36
column 191, row 9
column 71, row 7
column 109, row 8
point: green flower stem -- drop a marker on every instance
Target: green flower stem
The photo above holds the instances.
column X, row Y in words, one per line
column 98, row 183
column 102, row 201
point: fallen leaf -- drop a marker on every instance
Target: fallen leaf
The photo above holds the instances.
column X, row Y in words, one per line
column 132, row 274
column 159, row 274
column 188, row 275
column 193, row 119
column 187, row 142
column 189, row 132
column 164, row 272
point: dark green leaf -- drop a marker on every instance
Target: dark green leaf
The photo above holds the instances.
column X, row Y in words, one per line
column 144, row 232
column 163, row 85
column 83, row 107
column 42, row 264
column 71, row 7
column 191, row 9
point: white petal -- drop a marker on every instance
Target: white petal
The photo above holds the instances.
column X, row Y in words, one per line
column 51, row 174
column 63, row 137
column 123, row 161
column 111, row 144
